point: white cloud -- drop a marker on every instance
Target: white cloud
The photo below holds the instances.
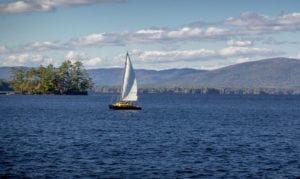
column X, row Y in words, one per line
column 25, row 59
column 92, row 63
column 247, row 51
column 249, row 18
column 150, row 36
column 171, row 56
column 89, row 40
column 239, row 43
column 193, row 34
column 204, row 55
column 84, row 58
column 16, row 7
column 76, row 56
column 44, row 46
column 185, row 32
column 289, row 19
column 257, row 23
column 214, row 31
column 24, row 6
column 100, row 40
column 243, row 60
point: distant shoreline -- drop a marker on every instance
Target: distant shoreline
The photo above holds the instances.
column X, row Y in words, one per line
column 205, row 90
column 185, row 90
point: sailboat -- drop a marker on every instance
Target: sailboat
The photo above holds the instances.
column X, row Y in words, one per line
column 128, row 89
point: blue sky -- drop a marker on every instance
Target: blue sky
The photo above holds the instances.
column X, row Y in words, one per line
column 158, row 34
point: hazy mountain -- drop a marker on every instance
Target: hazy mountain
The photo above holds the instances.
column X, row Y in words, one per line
column 274, row 73
column 106, row 76
column 113, row 76
column 5, row 72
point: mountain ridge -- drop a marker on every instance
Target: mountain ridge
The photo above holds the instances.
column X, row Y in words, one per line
column 271, row 73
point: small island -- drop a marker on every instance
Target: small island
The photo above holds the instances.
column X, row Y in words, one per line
column 68, row 79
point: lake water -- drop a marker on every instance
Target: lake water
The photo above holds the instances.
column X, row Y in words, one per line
column 174, row 135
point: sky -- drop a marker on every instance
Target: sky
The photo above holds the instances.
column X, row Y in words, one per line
column 158, row 34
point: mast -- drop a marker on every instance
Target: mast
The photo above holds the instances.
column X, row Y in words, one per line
column 123, row 78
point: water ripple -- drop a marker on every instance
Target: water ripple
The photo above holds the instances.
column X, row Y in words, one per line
column 212, row 137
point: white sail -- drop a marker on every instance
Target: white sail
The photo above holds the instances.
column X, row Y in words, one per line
column 129, row 88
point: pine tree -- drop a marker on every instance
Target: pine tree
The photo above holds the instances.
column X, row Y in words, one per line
column 18, row 77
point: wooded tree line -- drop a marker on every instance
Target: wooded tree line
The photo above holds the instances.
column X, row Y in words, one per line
column 68, row 78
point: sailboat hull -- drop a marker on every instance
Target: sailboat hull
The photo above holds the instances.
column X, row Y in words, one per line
column 124, row 107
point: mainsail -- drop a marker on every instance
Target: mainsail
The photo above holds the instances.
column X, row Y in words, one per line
column 129, row 88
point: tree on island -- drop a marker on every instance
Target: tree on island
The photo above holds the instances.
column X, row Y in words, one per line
column 69, row 78
column 18, row 82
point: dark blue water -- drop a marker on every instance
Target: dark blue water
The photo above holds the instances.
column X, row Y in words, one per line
column 175, row 135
